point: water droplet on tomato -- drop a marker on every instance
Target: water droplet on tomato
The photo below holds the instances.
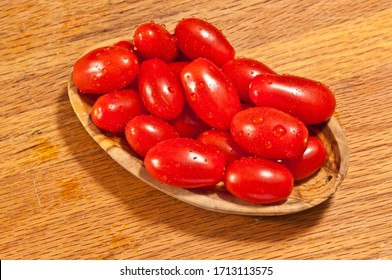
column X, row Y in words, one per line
column 201, row 85
column 193, row 97
column 194, row 158
column 269, row 82
column 279, row 130
column 164, row 178
column 171, row 89
column 121, row 109
column 209, row 115
column 240, row 134
column 178, row 164
column 268, row 145
column 258, row 120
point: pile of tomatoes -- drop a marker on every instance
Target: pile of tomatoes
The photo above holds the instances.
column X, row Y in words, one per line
column 199, row 116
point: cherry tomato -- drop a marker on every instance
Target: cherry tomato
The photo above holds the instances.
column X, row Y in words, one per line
column 199, row 38
column 160, row 89
column 241, row 71
column 310, row 101
column 153, row 40
column 209, row 93
column 186, row 163
column 105, row 69
column 145, row 131
column 188, row 125
column 311, row 160
column 224, row 142
column 113, row 110
column 269, row 133
column 259, row 180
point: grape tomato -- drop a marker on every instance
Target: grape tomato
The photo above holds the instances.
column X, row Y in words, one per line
column 160, row 89
column 177, row 66
column 269, row 133
column 259, row 180
column 188, row 125
column 209, row 93
column 224, row 142
column 198, row 38
column 186, row 163
column 309, row 162
column 145, row 131
column 152, row 40
column 113, row 110
column 310, row 101
column 241, row 72
column 125, row 44
column 105, row 69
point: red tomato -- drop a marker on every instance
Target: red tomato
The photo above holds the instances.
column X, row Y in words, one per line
column 130, row 46
column 160, row 89
column 153, row 40
column 112, row 111
column 199, row 38
column 310, row 101
column 177, row 66
column 224, row 142
column 241, row 71
column 259, row 180
column 145, row 131
column 105, row 69
column 311, row 160
column 269, row 133
column 186, row 163
column 125, row 44
column 188, row 125
column 209, row 93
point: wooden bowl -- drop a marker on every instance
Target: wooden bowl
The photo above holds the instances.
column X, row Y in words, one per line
column 306, row 194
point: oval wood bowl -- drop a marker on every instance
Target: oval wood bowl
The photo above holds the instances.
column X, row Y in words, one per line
column 306, row 194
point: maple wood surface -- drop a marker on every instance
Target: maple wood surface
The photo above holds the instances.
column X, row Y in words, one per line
column 63, row 197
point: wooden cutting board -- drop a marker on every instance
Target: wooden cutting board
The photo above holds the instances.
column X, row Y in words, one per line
column 63, row 197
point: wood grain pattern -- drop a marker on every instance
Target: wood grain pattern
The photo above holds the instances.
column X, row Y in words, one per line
column 63, row 197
